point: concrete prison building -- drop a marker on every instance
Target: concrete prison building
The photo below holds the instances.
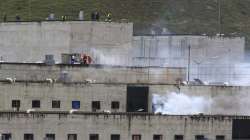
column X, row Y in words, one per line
column 212, row 59
column 132, row 88
column 65, row 111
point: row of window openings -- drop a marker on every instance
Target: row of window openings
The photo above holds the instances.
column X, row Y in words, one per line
column 96, row 105
column 112, row 137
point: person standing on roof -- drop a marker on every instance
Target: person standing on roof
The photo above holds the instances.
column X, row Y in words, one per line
column 108, row 18
column 18, row 18
column 63, row 18
column 95, row 16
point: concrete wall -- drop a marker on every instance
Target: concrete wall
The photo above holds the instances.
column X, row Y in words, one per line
column 211, row 58
column 99, row 73
column 226, row 100
column 125, row 125
column 31, row 41
column 112, row 43
column 173, row 50
column 86, row 93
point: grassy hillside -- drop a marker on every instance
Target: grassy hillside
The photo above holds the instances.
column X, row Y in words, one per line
column 178, row 16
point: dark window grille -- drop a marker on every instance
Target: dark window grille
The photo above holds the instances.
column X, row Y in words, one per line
column 96, row 105
column 36, row 104
column 56, row 104
column 16, row 103
column 93, row 137
column 28, row 137
column 115, row 105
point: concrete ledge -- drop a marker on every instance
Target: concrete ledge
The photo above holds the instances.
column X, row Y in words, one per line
column 43, row 82
column 125, row 114
column 83, row 65
column 78, row 73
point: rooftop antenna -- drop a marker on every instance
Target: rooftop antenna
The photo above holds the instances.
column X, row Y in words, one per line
column 189, row 55
column 29, row 10
column 219, row 15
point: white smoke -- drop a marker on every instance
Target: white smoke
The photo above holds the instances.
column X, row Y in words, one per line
column 178, row 103
column 183, row 104
column 109, row 56
column 241, row 74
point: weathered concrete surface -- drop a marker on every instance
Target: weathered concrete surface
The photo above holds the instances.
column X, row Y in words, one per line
column 98, row 73
column 125, row 125
column 86, row 93
column 31, row 41
column 226, row 100
column 212, row 59
column 172, row 50
column 112, row 43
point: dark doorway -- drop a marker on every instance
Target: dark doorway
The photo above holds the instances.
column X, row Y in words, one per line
column 137, row 99
column 241, row 129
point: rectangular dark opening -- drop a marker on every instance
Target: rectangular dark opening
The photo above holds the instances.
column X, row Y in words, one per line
column 56, row 104
column 136, row 137
column 36, row 104
column 76, row 104
column 115, row 137
column 157, row 137
column 96, row 105
column 199, row 137
column 50, row 137
column 6, row 136
column 72, row 136
column 241, row 129
column 16, row 104
column 220, row 137
column 137, row 99
column 28, row 137
column 93, row 137
column 115, row 105
column 178, row 137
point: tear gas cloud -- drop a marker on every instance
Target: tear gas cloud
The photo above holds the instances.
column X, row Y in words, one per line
column 107, row 57
column 177, row 104
column 241, row 75
column 224, row 64
column 184, row 104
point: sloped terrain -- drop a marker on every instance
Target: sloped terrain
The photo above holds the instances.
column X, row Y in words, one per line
column 178, row 16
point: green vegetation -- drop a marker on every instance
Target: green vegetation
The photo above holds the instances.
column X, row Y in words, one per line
column 179, row 16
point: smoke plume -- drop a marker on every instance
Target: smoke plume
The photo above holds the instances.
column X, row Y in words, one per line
column 178, row 104
column 184, row 104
